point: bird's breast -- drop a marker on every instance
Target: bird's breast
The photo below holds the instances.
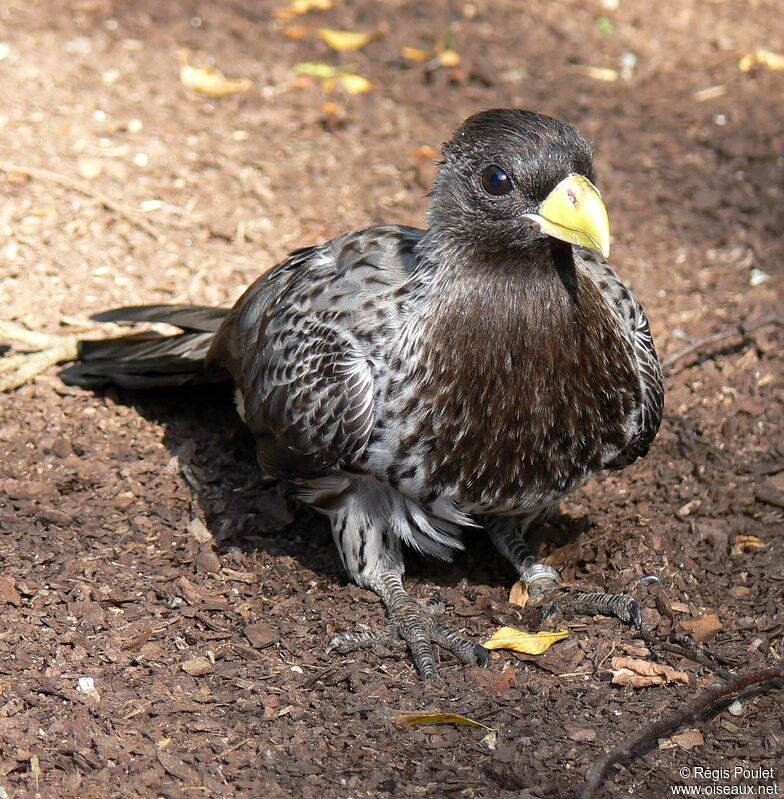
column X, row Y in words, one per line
column 511, row 401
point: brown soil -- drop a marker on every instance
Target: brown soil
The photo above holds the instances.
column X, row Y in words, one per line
column 205, row 645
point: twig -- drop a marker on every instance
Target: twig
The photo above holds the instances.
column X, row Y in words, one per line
column 650, row 733
column 701, row 656
column 84, row 188
column 724, row 335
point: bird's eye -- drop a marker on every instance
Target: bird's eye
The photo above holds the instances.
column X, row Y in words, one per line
column 495, row 181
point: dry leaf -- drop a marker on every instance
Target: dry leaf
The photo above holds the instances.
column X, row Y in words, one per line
column 316, row 70
column 354, row 84
column 762, row 57
column 449, row 58
column 412, row 719
column 527, row 643
column 688, row 739
column 519, row 594
column 596, row 73
column 702, row 627
column 638, row 673
column 345, row 40
column 297, row 32
column 301, row 7
column 415, row 54
column 211, row 81
column 744, row 542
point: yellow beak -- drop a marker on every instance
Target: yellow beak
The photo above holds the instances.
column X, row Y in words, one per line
column 574, row 212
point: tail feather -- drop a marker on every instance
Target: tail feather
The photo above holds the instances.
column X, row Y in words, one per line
column 191, row 318
column 150, row 359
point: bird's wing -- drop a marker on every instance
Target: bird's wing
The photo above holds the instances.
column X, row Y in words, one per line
column 295, row 348
column 631, row 315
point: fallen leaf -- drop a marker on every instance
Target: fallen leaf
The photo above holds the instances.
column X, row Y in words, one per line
column 449, row 58
column 745, row 542
column 301, row 7
column 527, row 643
column 345, row 40
column 412, row 719
column 762, row 57
column 519, row 594
column 596, row 73
column 415, row 54
column 211, row 81
column 688, row 739
column 315, row 70
column 638, row 673
column 702, row 627
column 354, row 84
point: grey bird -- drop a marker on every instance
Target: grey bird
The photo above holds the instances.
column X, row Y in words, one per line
column 410, row 384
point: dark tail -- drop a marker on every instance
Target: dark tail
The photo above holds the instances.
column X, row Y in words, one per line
column 150, row 359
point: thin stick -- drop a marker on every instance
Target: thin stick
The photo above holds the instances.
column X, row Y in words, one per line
column 702, row 656
column 650, row 733
column 77, row 185
column 724, row 335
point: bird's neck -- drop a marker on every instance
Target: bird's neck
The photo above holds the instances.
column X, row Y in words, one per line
column 499, row 299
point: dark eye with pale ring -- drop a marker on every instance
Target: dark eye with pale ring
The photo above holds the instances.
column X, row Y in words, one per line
column 495, row 181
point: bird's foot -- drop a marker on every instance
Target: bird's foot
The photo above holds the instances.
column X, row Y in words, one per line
column 415, row 624
column 43, row 350
column 552, row 599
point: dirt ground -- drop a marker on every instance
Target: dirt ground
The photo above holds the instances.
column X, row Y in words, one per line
column 165, row 612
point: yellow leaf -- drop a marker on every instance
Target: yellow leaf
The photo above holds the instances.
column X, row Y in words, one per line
column 449, row 58
column 766, row 58
column 527, row 643
column 415, row 54
column 301, row 7
column 596, row 73
column 744, row 542
column 344, row 40
column 315, row 70
column 412, row 719
column 211, row 81
column 332, row 76
column 355, row 84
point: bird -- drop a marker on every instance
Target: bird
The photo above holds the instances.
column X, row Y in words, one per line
column 414, row 384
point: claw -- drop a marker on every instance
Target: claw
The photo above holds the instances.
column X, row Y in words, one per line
column 47, row 350
column 413, row 622
column 568, row 602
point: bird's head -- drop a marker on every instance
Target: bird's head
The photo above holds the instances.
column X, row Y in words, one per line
column 511, row 179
